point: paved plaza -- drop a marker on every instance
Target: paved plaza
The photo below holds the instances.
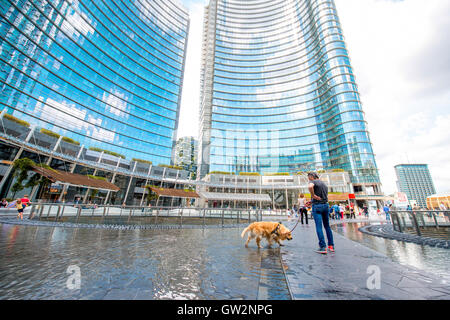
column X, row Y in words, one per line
column 348, row 273
column 197, row 263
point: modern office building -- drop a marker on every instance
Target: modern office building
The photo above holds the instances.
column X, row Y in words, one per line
column 106, row 74
column 92, row 87
column 278, row 93
column 185, row 154
column 415, row 180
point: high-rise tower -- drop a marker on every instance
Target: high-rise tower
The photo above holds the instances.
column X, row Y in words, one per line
column 104, row 74
column 415, row 180
column 278, row 92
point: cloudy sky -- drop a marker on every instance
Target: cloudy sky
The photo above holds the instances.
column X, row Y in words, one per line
column 400, row 55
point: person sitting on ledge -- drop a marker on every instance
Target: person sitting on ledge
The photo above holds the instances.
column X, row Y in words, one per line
column 4, row 203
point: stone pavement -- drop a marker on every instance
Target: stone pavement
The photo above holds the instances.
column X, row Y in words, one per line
column 139, row 264
column 349, row 272
column 209, row 263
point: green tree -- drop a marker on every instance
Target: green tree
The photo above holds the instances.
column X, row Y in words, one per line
column 151, row 195
column 21, row 170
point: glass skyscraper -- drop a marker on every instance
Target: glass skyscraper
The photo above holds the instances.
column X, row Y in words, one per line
column 106, row 74
column 415, row 180
column 278, row 93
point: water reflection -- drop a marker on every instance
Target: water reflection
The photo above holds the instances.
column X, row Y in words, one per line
column 435, row 260
column 136, row 264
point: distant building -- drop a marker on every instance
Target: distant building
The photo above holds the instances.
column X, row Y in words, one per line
column 416, row 182
column 185, row 154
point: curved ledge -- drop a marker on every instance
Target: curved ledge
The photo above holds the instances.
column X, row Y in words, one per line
column 386, row 231
column 50, row 224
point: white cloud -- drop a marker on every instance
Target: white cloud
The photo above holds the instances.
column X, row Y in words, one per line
column 392, row 48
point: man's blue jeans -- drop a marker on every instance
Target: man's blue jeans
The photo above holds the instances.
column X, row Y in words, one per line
column 320, row 214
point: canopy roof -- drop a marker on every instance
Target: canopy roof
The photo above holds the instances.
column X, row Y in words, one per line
column 333, row 196
column 72, row 179
column 236, row 196
column 174, row 193
column 338, row 197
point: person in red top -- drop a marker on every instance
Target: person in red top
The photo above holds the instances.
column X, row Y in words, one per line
column 25, row 201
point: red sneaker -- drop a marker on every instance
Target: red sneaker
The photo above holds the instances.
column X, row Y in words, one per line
column 331, row 249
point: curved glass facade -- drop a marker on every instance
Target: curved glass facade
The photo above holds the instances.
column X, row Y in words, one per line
column 106, row 74
column 278, row 91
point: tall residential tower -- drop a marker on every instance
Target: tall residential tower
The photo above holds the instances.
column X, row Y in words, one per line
column 278, row 93
column 415, row 180
column 185, row 154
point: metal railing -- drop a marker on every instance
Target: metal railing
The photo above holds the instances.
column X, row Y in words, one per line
column 420, row 221
column 111, row 214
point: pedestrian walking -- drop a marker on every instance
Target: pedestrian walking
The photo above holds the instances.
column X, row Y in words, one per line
column 302, row 211
column 386, row 211
column 320, row 210
column 352, row 211
column 19, row 207
column 366, row 211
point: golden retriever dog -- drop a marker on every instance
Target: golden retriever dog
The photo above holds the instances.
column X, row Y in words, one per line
column 272, row 231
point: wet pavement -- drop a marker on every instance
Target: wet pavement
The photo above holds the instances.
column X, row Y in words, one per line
column 432, row 259
column 212, row 263
column 136, row 264
column 354, row 272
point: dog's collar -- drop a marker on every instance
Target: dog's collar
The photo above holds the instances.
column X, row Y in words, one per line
column 276, row 229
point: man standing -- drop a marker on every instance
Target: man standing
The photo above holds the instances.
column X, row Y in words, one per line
column 319, row 198
column 366, row 211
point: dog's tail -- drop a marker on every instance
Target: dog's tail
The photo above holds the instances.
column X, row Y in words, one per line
column 245, row 231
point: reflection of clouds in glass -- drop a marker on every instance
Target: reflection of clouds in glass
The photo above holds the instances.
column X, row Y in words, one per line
column 74, row 22
column 96, row 132
column 115, row 103
column 161, row 21
column 68, row 116
column 62, row 114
